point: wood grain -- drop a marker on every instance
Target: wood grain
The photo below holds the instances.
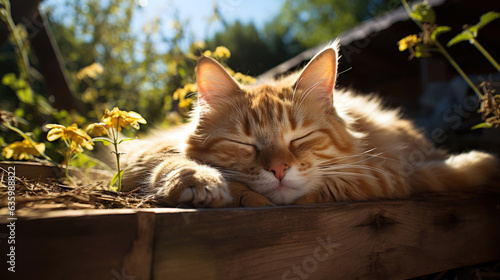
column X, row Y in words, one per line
column 45, row 171
column 365, row 240
column 371, row 240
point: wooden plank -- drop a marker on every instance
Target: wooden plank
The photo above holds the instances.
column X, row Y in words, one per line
column 371, row 240
column 44, row 171
column 95, row 246
column 365, row 240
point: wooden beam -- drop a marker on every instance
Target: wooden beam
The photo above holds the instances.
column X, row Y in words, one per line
column 370, row 240
column 43, row 171
column 365, row 240
column 52, row 65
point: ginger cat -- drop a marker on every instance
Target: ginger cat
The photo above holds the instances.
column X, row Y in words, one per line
column 294, row 141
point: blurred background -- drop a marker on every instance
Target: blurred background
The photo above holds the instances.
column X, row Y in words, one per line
column 140, row 55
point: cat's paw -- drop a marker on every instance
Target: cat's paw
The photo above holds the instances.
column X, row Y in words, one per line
column 198, row 186
column 244, row 197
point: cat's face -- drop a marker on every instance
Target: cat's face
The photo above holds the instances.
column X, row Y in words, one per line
column 276, row 138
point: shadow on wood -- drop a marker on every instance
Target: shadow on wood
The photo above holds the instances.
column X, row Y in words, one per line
column 364, row 240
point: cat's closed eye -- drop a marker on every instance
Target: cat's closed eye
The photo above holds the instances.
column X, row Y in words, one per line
column 306, row 142
column 249, row 148
column 302, row 137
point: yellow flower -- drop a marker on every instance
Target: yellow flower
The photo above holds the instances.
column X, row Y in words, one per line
column 221, row 52
column 408, row 42
column 244, row 79
column 207, row 53
column 90, row 71
column 198, row 45
column 118, row 119
column 75, row 148
column 181, row 93
column 23, row 150
column 73, row 133
column 98, row 129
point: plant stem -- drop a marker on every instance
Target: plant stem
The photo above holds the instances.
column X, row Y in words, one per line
column 22, row 57
column 66, row 172
column 485, row 53
column 68, row 160
column 115, row 143
column 459, row 70
column 408, row 11
column 444, row 52
column 15, row 129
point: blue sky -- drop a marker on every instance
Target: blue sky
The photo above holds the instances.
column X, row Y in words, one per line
column 198, row 11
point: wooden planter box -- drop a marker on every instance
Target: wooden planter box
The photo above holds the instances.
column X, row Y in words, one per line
column 394, row 239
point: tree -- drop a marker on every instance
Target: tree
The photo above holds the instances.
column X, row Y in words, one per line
column 312, row 22
column 251, row 53
column 140, row 72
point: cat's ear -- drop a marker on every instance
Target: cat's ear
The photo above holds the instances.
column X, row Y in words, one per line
column 214, row 82
column 318, row 77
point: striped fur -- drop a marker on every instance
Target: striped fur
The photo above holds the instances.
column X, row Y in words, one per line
column 333, row 145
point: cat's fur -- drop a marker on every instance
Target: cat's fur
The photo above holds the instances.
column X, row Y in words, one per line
column 295, row 140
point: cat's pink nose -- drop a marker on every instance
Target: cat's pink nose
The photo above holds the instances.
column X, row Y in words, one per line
column 278, row 169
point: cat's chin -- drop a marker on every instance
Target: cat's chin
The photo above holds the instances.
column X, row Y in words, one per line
column 283, row 192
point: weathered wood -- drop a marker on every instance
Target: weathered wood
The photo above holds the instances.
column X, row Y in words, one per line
column 372, row 240
column 365, row 240
column 45, row 171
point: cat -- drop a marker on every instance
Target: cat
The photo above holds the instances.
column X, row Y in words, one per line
column 295, row 140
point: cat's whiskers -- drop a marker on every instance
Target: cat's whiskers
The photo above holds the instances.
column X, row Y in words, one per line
column 206, row 138
column 336, row 167
column 366, row 153
column 307, row 92
column 342, row 174
column 295, row 89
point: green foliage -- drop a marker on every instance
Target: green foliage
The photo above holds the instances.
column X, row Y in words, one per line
column 438, row 31
column 471, row 32
column 482, row 125
column 140, row 71
column 422, row 12
column 313, row 22
column 20, row 86
column 252, row 53
column 19, row 82
column 419, row 46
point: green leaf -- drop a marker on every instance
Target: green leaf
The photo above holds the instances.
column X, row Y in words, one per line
column 438, row 31
column 472, row 31
column 25, row 95
column 482, row 125
column 105, row 140
column 423, row 13
column 182, row 72
column 126, row 139
column 9, row 79
column 487, row 18
column 465, row 35
column 118, row 176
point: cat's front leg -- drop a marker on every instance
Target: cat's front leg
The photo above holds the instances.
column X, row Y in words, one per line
column 244, row 197
column 178, row 180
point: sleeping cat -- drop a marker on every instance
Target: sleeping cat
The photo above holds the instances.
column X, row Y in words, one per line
column 296, row 140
